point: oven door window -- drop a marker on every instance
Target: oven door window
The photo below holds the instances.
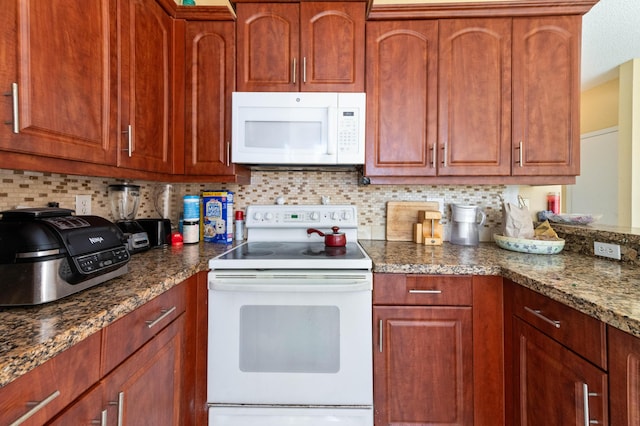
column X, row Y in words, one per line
column 289, row 339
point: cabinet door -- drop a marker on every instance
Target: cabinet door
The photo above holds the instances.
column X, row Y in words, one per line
column 210, row 79
column 624, row 378
column 87, row 410
column 474, row 133
column 146, row 388
column 268, row 47
column 402, row 68
column 146, row 33
column 553, row 385
column 546, row 95
column 423, row 365
column 56, row 58
column 332, row 46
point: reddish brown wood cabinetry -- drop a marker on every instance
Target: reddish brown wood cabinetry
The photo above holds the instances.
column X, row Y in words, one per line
column 423, row 351
column 57, row 63
column 307, row 46
column 474, row 97
column 402, row 98
column 549, row 383
column 457, row 99
column 624, row 378
column 210, row 79
column 146, row 58
column 47, row 389
column 546, row 95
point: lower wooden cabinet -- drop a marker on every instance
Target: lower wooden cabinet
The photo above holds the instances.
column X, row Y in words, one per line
column 624, row 378
column 550, row 377
column 555, row 386
column 423, row 351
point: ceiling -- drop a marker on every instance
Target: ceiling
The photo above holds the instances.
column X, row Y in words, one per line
column 610, row 37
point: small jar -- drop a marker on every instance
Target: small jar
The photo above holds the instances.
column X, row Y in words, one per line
column 191, row 231
column 191, row 207
column 553, row 202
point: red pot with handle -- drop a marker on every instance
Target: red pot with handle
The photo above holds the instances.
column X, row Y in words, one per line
column 336, row 239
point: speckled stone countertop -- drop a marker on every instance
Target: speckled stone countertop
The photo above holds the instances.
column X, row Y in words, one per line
column 605, row 289
column 29, row 336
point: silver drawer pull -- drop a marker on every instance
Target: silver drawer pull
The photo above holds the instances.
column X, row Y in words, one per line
column 164, row 313
column 415, row 291
column 37, row 406
column 102, row 421
column 538, row 313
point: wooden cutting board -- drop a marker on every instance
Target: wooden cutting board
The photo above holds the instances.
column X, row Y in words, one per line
column 401, row 215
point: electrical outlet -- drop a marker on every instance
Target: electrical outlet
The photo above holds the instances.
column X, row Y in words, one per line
column 83, row 205
column 611, row 251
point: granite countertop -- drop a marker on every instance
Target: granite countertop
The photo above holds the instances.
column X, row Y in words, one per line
column 29, row 336
column 605, row 289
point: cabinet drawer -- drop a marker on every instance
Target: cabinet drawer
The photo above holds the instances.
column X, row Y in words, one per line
column 128, row 334
column 442, row 290
column 579, row 332
column 47, row 389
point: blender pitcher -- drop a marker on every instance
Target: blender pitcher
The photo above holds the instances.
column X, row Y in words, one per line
column 465, row 223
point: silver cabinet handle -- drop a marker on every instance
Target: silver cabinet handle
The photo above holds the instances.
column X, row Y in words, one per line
column 380, row 336
column 520, row 154
column 304, row 69
column 433, row 156
column 444, row 155
column 538, row 313
column 103, row 419
column 585, row 398
column 228, row 153
column 16, row 112
column 415, row 291
column 163, row 314
column 129, row 133
column 294, row 71
column 120, row 404
column 37, row 406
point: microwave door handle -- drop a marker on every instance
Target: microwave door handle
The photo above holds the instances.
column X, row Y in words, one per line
column 332, row 137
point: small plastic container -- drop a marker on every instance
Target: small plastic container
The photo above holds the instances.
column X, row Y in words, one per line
column 191, row 231
column 191, row 207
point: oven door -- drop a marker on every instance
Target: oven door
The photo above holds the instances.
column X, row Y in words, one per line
column 290, row 338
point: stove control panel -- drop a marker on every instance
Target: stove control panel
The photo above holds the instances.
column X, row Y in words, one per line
column 301, row 216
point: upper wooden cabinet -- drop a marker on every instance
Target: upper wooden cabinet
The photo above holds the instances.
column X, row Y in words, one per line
column 469, row 98
column 546, row 95
column 56, row 77
column 474, row 97
column 308, row 46
column 210, row 79
column 146, row 57
column 402, row 98
column 438, row 98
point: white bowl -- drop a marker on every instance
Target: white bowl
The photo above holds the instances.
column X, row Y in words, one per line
column 525, row 245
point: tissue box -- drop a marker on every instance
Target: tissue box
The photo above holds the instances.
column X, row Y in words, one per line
column 216, row 216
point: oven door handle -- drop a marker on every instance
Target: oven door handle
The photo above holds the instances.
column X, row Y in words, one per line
column 264, row 286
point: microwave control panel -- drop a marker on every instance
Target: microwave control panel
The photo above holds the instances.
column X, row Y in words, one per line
column 348, row 131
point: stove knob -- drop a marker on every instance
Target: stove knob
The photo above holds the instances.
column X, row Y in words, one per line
column 257, row 216
column 346, row 215
column 335, row 216
column 268, row 216
column 315, row 216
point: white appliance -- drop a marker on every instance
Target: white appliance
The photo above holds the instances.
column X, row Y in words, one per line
column 290, row 335
column 298, row 128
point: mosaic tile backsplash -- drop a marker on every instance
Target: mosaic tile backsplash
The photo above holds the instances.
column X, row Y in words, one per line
column 34, row 189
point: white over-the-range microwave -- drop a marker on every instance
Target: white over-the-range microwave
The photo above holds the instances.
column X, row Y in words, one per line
column 298, row 128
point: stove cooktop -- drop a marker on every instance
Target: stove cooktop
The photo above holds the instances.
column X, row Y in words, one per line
column 292, row 255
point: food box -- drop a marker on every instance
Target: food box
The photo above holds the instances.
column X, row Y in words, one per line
column 216, row 216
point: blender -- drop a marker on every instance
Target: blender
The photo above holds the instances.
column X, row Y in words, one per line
column 124, row 200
